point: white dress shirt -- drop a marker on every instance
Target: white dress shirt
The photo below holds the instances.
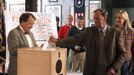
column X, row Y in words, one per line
column 30, row 42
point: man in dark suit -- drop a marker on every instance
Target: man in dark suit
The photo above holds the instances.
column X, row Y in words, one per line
column 20, row 37
column 103, row 57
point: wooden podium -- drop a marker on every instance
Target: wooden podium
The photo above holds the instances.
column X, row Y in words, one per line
column 36, row 61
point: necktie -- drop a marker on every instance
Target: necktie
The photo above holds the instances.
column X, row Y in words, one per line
column 101, row 52
column 100, row 66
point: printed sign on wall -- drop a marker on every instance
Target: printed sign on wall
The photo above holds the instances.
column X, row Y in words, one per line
column 45, row 24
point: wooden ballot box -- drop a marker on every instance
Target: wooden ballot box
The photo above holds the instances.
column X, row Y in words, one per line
column 36, row 61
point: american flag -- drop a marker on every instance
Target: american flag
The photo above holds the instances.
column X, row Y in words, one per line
column 79, row 9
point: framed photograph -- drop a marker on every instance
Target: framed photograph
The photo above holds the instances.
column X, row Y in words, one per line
column 53, row 0
column 93, row 5
column 16, row 7
column 54, row 9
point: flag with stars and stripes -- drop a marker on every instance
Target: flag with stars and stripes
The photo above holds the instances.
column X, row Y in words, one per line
column 79, row 9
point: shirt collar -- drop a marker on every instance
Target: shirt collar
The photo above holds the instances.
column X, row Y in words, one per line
column 103, row 29
column 21, row 28
column 79, row 27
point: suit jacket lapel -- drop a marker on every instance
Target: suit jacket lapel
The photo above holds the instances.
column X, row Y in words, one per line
column 23, row 36
column 107, row 36
column 96, row 34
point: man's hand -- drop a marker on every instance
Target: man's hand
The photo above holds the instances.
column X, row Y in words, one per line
column 111, row 72
column 52, row 39
column 77, row 48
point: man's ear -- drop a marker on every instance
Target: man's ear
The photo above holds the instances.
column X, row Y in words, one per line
column 105, row 17
column 22, row 22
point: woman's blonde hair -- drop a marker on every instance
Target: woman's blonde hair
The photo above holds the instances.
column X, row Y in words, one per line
column 125, row 16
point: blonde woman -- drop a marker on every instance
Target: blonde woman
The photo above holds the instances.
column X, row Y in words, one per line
column 122, row 23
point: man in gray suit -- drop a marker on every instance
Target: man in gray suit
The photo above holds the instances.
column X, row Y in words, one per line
column 20, row 37
column 102, row 58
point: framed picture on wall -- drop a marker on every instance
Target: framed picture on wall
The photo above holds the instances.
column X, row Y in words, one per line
column 93, row 5
column 16, row 7
column 53, row 0
column 54, row 9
